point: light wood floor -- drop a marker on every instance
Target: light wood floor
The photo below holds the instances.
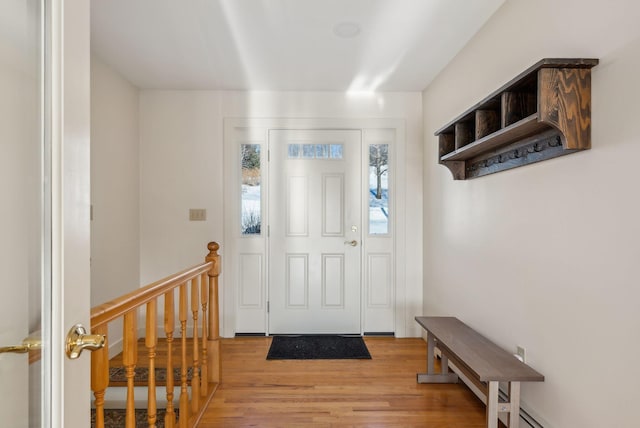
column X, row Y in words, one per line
column 381, row 392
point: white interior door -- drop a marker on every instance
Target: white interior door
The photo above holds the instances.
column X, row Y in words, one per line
column 44, row 220
column 21, row 226
column 314, row 231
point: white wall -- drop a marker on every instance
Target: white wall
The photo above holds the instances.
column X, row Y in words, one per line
column 545, row 256
column 181, row 167
column 114, row 184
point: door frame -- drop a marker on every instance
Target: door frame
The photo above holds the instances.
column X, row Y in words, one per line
column 67, row 95
column 64, row 134
column 255, row 131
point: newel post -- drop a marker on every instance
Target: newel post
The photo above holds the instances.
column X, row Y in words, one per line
column 213, row 341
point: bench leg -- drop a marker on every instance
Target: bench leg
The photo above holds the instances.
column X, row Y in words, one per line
column 431, row 376
column 444, row 363
column 492, row 405
column 431, row 353
column 514, row 400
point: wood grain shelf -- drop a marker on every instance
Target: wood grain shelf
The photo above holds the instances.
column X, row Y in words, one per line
column 544, row 112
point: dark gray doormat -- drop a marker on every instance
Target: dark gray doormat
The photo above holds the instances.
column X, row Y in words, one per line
column 318, row 348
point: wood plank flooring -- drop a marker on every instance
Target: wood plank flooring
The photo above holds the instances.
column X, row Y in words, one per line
column 381, row 392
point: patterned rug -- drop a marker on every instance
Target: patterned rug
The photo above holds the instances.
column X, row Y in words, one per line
column 115, row 418
column 117, row 376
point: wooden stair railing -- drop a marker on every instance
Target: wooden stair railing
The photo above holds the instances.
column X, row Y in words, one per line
column 199, row 285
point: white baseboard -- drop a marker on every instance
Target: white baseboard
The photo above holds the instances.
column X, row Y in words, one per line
column 115, row 348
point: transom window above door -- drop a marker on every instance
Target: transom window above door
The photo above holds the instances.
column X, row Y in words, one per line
column 314, row 151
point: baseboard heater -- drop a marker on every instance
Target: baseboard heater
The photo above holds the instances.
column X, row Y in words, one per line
column 524, row 416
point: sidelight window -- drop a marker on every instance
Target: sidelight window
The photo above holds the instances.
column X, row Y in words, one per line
column 251, row 220
column 378, row 189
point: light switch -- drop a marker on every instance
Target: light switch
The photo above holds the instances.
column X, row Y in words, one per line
column 197, row 214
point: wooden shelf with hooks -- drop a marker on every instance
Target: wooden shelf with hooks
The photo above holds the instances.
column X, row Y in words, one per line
column 543, row 113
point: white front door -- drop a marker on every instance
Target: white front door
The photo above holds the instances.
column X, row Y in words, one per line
column 314, row 231
column 44, row 219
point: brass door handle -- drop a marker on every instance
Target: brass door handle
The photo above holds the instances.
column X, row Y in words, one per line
column 353, row 243
column 31, row 343
column 78, row 340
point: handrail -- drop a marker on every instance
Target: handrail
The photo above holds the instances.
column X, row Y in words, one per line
column 197, row 289
column 113, row 309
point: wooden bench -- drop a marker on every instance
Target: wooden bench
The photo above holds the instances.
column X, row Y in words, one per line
column 482, row 361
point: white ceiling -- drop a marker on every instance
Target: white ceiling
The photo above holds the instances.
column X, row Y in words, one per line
column 283, row 44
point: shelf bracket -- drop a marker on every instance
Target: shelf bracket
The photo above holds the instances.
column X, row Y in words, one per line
column 457, row 168
column 565, row 104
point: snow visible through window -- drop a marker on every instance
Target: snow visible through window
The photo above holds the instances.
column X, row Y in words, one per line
column 314, row 151
column 251, row 189
column 378, row 189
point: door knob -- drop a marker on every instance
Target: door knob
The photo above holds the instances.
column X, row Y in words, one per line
column 31, row 343
column 352, row 243
column 78, row 340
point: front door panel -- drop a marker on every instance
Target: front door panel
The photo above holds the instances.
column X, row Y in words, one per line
column 314, row 235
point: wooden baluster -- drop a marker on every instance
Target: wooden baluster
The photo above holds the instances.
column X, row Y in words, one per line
column 100, row 374
column 130, row 359
column 204, row 378
column 214, row 325
column 170, row 415
column 195, row 378
column 151, row 341
column 183, row 418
